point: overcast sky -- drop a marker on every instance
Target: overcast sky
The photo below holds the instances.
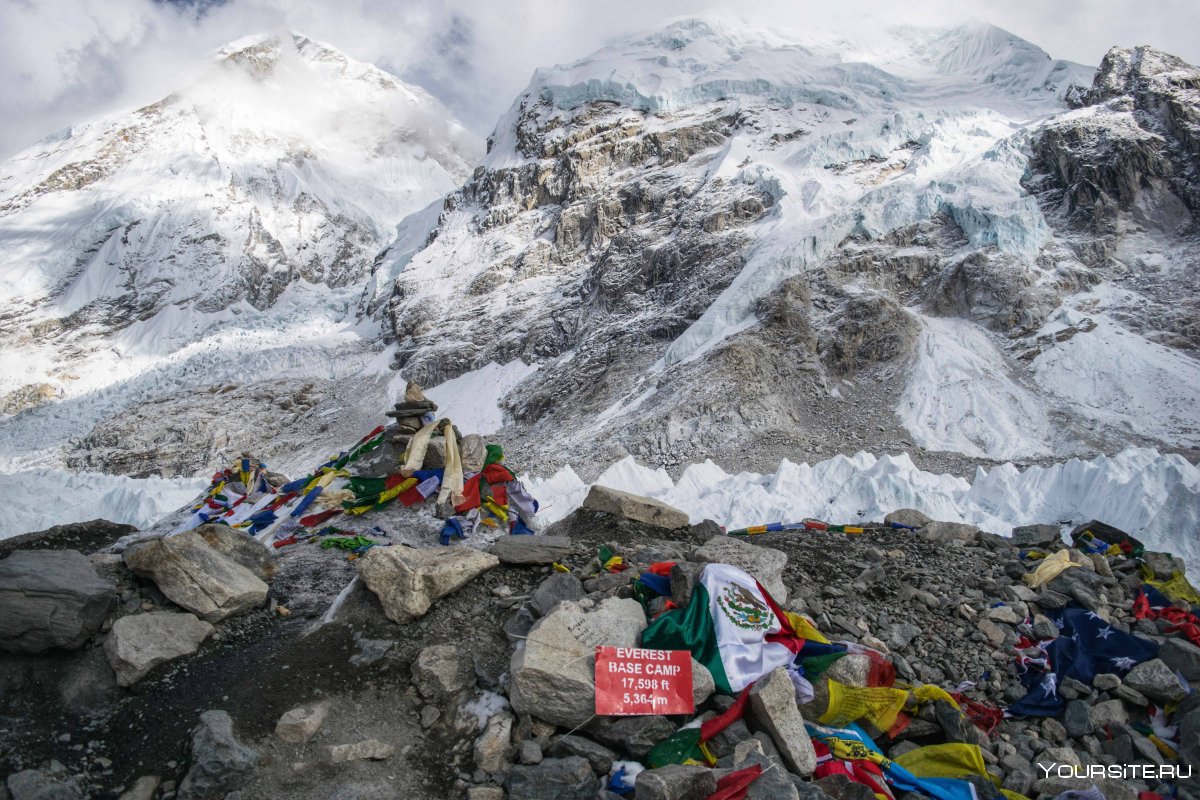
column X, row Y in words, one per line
column 67, row 61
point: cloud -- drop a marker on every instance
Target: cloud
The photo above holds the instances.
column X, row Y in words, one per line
column 64, row 62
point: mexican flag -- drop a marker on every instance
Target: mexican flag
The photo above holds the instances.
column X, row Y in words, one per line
column 733, row 627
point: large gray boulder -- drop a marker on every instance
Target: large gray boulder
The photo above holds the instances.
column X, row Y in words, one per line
column 1157, row 681
column 937, row 531
column 1036, row 535
column 50, row 598
column 139, row 643
column 553, row 674
column 773, row 708
column 908, row 516
column 196, row 576
column 408, row 580
column 634, row 507
column 220, row 763
column 765, row 564
column 239, row 546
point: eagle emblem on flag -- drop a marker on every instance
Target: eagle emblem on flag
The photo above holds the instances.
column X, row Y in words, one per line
column 743, row 609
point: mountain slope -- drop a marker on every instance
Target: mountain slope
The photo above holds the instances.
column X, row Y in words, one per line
column 219, row 237
column 714, row 241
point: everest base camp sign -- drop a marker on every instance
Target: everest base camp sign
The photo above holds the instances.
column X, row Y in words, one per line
column 633, row 680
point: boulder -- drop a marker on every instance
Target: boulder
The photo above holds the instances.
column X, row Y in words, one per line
column 634, row 735
column 301, row 723
column 949, row 531
column 531, row 549
column 472, row 452
column 441, row 671
column 408, row 580
column 194, row 575
column 1036, row 535
column 51, row 784
column 775, row 783
column 220, row 763
column 1181, row 656
column 908, row 516
column 50, row 598
column 675, row 782
column 773, row 708
column 139, row 643
column 552, row 675
column 569, row 778
column 599, row 756
column 634, row 507
column 764, row 563
column 239, row 546
column 493, row 748
column 366, row 750
column 553, row 590
column 1156, row 681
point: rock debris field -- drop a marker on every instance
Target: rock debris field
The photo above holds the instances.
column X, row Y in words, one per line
column 204, row 665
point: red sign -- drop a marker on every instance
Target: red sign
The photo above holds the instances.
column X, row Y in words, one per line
column 631, row 681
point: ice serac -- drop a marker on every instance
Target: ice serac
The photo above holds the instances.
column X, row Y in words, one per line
column 708, row 238
column 160, row 260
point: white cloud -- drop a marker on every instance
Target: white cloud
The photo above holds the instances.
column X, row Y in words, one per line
column 66, row 61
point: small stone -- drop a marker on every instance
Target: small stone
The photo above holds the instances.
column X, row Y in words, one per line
column 900, row 635
column 675, row 782
column 366, row 750
column 598, row 756
column 530, row 752
column 569, row 778
column 1131, row 695
column 220, row 763
column 1036, row 536
column 949, row 531
column 430, row 714
column 493, row 748
column 301, row 723
column 1044, row 627
column 1054, row 730
column 441, row 671
column 1181, row 656
column 1108, row 713
column 839, row 787
column 142, row 789
column 1078, row 719
column 1106, row 681
column 485, row 793
column 994, row 634
column 1004, row 614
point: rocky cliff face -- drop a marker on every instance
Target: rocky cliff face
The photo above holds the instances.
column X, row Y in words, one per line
column 728, row 243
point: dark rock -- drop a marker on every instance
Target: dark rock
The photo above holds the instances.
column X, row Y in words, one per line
column 569, row 778
column 52, row 784
column 1036, row 535
column 1181, row 656
column 518, row 623
column 50, row 598
column 598, row 756
column 723, row 743
column 839, row 787
column 633, row 735
column 1078, row 718
column 220, row 763
column 553, row 590
column 1156, row 681
column 675, row 782
column 685, row 575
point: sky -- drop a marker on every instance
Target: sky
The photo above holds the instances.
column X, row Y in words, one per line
column 64, row 62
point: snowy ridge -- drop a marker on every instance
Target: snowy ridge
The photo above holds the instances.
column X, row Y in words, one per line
column 1152, row 496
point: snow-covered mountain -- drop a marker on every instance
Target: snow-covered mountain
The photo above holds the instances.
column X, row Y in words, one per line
column 703, row 241
column 160, row 265
column 714, row 241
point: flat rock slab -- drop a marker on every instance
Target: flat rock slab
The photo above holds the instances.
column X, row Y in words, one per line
column 196, row 576
column 139, row 643
column 531, row 549
column 765, row 564
column 409, row 580
column 634, row 507
column 367, row 750
column 50, row 598
column 553, row 675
